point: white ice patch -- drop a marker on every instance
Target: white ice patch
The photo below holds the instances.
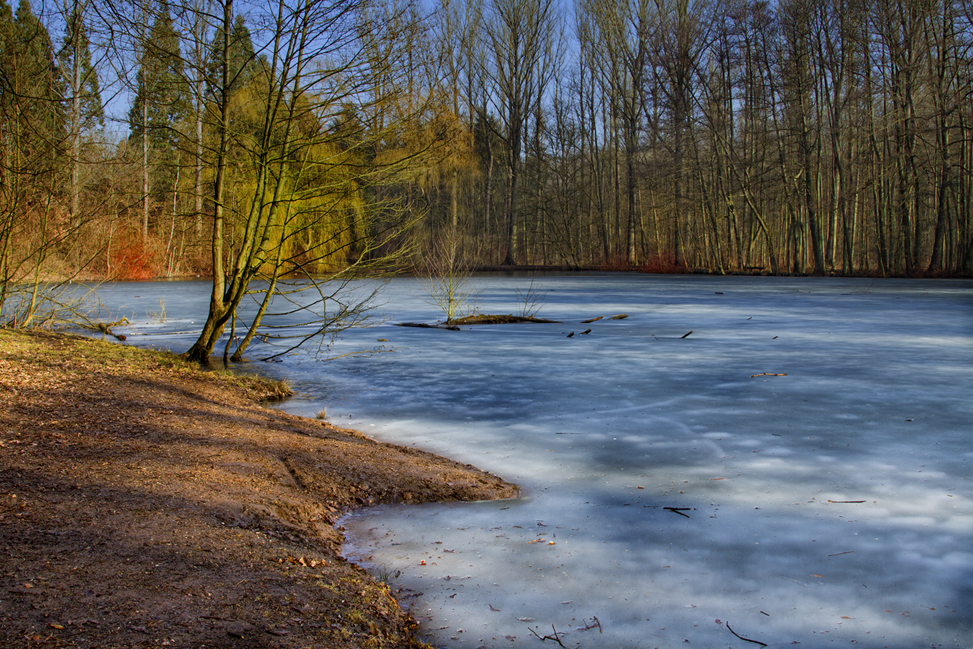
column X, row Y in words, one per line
column 665, row 486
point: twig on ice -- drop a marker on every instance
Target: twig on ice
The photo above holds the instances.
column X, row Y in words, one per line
column 762, row 644
column 554, row 637
column 679, row 510
column 595, row 624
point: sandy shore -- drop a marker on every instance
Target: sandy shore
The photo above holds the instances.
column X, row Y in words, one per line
column 146, row 503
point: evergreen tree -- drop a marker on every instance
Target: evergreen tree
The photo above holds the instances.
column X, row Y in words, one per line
column 84, row 108
column 245, row 114
column 243, row 60
column 81, row 79
column 161, row 86
column 7, row 194
column 37, row 88
column 31, row 133
column 160, row 106
column 7, row 69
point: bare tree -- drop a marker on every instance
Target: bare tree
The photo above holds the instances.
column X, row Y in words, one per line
column 681, row 39
column 520, row 34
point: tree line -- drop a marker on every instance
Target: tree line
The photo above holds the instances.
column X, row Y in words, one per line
column 151, row 138
column 802, row 136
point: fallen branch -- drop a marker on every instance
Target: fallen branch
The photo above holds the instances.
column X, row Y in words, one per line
column 620, row 316
column 554, row 637
column 595, row 624
column 105, row 328
column 592, row 320
column 679, row 510
column 762, row 644
column 686, row 335
column 766, row 374
column 848, row 502
column 486, row 318
column 423, row 325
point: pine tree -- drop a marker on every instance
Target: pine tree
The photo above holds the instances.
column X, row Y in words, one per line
column 37, row 88
column 85, row 111
column 81, row 79
column 32, row 130
column 160, row 106
column 7, row 188
column 243, row 60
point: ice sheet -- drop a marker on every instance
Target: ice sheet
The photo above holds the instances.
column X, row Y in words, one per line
column 828, row 506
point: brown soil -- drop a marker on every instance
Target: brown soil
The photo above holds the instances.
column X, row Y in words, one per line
column 146, row 503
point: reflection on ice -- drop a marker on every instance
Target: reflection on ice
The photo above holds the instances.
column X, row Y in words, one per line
column 828, row 506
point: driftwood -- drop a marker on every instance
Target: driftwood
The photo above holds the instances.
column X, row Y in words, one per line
column 498, row 319
column 570, row 334
column 686, row 335
column 586, row 331
column 423, row 325
column 763, row 374
column 620, row 316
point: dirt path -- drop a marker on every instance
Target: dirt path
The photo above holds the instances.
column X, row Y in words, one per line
column 145, row 503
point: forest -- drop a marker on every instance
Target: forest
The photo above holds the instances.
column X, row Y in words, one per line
column 279, row 138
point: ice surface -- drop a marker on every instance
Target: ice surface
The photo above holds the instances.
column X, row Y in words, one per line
column 605, row 431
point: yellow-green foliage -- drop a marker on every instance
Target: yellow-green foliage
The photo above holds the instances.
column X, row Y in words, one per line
column 310, row 208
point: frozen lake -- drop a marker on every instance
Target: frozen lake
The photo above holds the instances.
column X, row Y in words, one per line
column 798, row 469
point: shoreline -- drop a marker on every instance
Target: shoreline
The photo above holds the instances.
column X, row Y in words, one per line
column 494, row 269
column 146, row 502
